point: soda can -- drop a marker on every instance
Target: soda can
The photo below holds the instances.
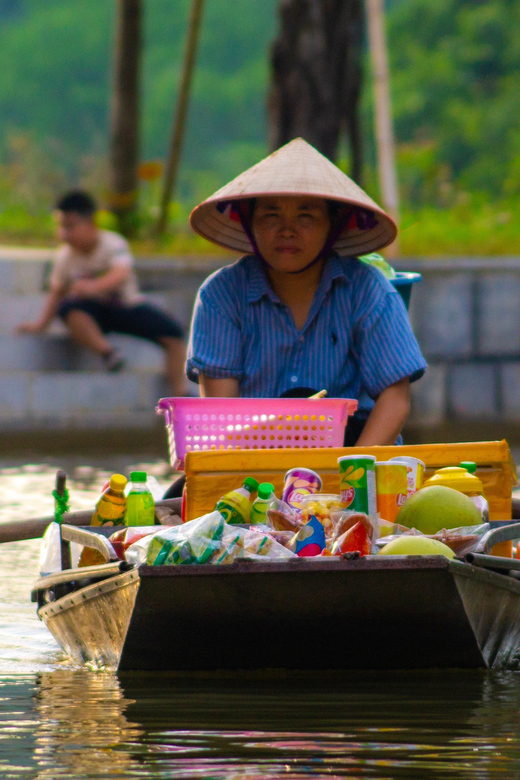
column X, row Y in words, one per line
column 299, row 483
column 358, row 483
column 391, row 488
column 415, row 472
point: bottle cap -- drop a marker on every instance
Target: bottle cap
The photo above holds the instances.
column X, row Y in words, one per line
column 265, row 490
column 138, row 476
column 118, row 482
column 457, row 478
column 251, row 484
column 469, row 465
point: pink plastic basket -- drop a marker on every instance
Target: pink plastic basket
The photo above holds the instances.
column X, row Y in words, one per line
column 196, row 424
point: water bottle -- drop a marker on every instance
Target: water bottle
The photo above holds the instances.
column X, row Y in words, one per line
column 261, row 504
column 140, row 506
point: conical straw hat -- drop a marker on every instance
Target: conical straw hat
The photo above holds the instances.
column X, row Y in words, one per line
column 295, row 169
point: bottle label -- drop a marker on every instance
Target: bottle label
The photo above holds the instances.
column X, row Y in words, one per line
column 230, row 513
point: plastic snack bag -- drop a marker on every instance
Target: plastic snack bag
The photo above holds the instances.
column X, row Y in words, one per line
column 282, row 517
column 123, row 539
column 231, row 545
column 355, row 539
column 260, row 546
column 311, row 539
column 192, row 542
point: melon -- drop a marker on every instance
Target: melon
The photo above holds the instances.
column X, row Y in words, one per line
column 416, row 545
column 436, row 507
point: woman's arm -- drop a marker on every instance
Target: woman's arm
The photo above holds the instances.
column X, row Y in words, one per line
column 388, row 416
column 218, row 388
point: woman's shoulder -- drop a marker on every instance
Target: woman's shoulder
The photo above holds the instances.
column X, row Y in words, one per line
column 364, row 276
column 231, row 281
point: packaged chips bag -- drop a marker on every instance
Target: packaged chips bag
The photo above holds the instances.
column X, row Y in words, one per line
column 192, row 542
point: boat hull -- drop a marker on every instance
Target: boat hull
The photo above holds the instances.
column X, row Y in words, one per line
column 91, row 623
column 373, row 613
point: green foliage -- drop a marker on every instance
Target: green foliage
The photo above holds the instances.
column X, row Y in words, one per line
column 456, row 104
column 454, row 75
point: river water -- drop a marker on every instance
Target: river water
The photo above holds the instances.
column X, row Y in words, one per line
column 59, row 721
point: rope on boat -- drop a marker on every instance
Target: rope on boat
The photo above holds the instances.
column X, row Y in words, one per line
column 61, row 504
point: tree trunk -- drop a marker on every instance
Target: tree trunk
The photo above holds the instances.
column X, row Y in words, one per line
column 124, row 133
column 316, row 76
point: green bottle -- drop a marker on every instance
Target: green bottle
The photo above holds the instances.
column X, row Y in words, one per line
column 140, row 506
column 260, row 504
column 235, row 506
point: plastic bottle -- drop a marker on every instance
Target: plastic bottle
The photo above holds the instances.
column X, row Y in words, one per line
column 261, row 504
column 469, row 465
column 111, row 507
column 140, row 506
column 235, row 506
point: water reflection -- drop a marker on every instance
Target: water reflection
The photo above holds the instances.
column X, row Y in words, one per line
column 374, row 725
column 82, row 726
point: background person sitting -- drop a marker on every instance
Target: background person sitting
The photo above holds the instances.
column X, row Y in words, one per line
column 94, row 290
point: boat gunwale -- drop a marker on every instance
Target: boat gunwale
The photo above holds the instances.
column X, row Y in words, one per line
column 87, row 593
column 293, row 565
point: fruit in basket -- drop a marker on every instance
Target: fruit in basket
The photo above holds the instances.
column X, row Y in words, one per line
column 433, row 508
column 416, row 545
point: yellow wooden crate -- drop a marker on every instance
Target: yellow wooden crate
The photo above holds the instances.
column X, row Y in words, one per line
column 211, row 474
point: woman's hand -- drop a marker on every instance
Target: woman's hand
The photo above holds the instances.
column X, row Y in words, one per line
column 218, row 388
column 388, row 416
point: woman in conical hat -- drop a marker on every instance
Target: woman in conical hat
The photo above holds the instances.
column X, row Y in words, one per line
column 300, row 312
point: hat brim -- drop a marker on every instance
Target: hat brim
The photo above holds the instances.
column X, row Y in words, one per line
column 295, row 169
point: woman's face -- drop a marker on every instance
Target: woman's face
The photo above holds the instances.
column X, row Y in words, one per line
column 290, row 231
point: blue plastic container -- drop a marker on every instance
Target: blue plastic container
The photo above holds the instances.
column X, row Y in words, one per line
column 403, row 284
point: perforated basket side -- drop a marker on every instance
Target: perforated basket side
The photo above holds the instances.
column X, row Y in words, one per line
column 196, row 424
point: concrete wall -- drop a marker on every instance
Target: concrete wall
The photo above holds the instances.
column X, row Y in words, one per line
column 466, row 315
column 465, row 312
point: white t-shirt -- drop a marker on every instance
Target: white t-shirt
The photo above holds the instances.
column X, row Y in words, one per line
column 111, row 251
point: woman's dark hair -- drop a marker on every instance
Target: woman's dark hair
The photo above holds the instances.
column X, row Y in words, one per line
column 78, row 202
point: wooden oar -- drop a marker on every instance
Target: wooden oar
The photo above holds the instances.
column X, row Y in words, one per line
column 18, row 530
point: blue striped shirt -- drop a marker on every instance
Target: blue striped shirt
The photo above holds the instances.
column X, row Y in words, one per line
column 356, row 342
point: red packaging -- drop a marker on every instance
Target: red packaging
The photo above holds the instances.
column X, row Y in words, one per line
column 122, row 539
column 355, row 539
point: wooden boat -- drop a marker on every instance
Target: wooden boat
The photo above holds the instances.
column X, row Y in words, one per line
column 402, row 612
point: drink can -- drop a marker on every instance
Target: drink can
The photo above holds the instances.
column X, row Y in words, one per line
column 299, row 483
column 415, row 472
column 358, row 483
column 391, row 488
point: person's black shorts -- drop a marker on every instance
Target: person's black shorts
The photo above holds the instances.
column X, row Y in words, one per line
column 142, row 320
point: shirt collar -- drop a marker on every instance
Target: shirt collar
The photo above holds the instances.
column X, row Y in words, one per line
column 333, row 268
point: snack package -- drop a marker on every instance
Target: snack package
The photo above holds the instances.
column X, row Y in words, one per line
column 355, row 539
column 311, row 539
column 324, row 506
column 121, row 540
column 192, row 542
column 260, row 546
column 461, row 540
column 282, row 517
column 343, row 521
column 231, row 545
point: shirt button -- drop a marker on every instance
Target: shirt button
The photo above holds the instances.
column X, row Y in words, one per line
column 294, row 379
column 301, row 339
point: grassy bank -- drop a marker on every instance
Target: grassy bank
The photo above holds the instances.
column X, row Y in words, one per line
column 472, row 227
